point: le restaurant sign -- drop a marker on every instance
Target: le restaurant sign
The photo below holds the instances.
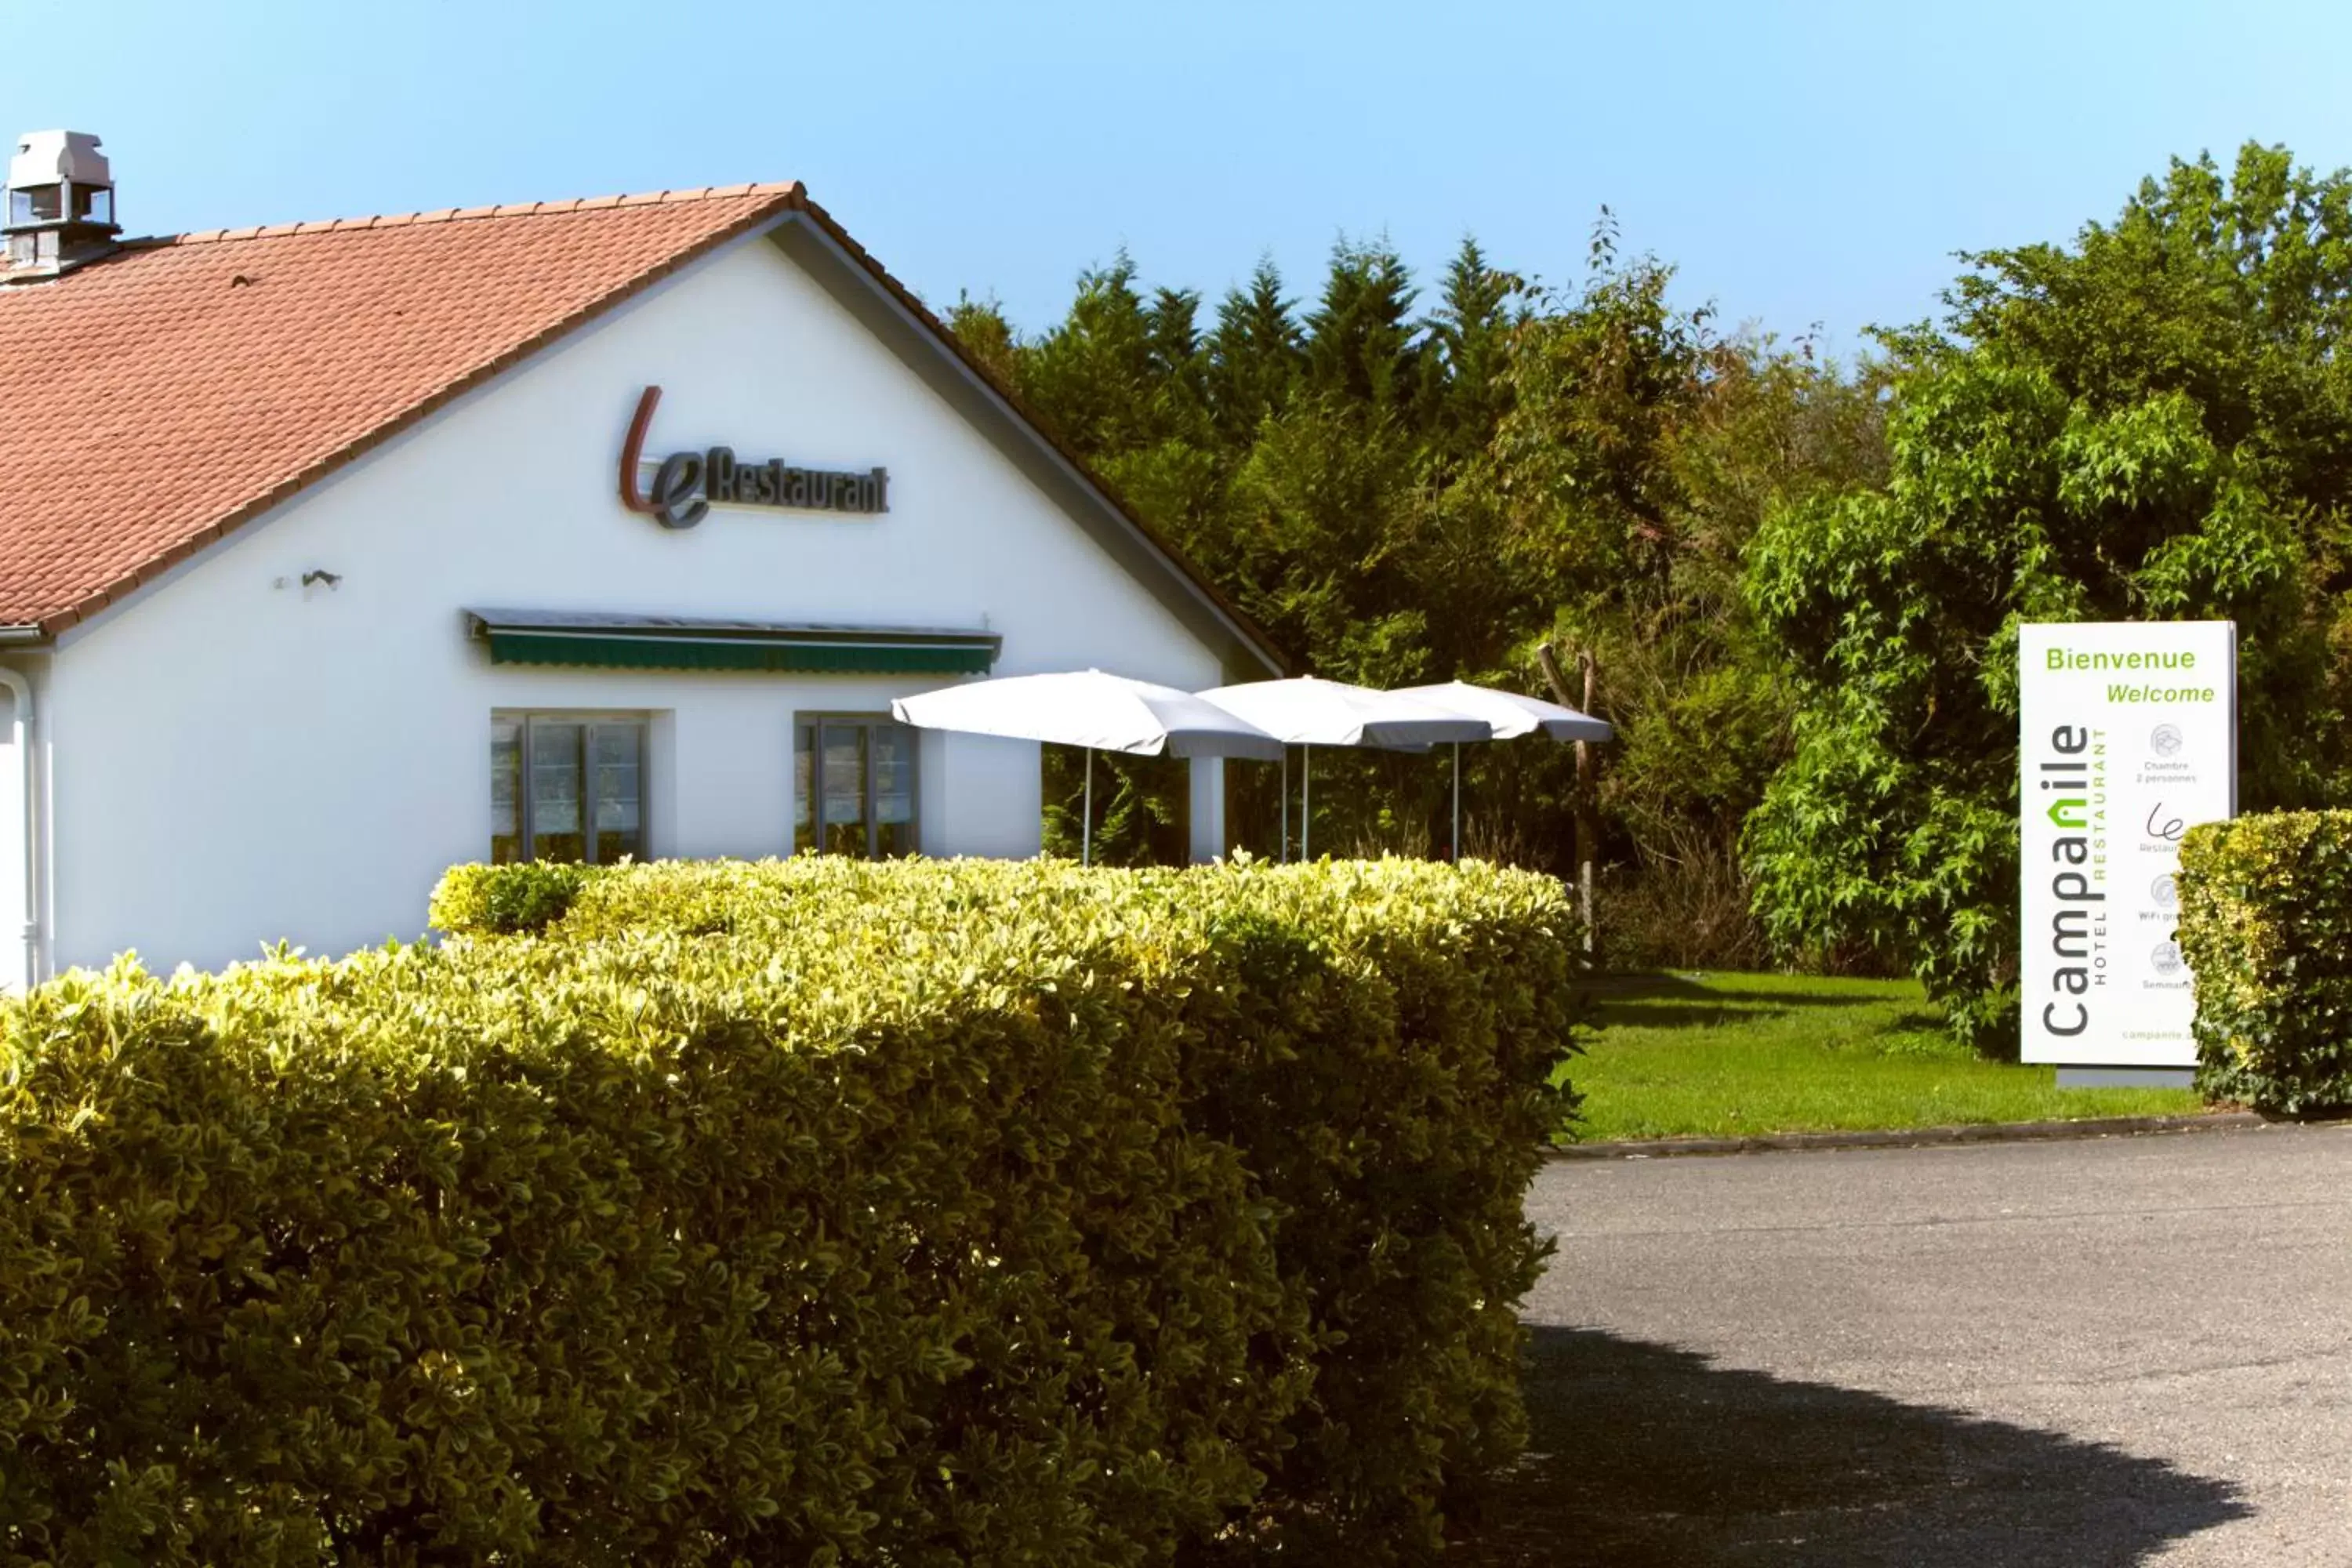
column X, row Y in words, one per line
column 686, row 485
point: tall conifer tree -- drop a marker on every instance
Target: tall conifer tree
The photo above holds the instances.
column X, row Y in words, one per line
column 1256, row 355
column 1470, row 348
column 1363, row 345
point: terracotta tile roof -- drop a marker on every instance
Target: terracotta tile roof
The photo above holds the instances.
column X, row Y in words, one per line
column 152, row 401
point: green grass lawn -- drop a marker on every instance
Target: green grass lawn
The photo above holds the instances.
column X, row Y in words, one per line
column 1715, row 1055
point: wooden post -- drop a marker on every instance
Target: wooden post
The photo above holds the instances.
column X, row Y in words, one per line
column 1587, row 803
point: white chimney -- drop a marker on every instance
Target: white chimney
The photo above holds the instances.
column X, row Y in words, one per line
column 60, row 202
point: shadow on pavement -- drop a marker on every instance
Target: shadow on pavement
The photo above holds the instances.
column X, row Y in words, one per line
column 1645, row 1455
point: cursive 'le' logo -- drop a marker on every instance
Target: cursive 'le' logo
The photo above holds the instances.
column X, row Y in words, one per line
column 676, row 500
column 686, row 485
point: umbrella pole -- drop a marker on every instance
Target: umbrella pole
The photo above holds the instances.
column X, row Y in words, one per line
column 1285, row 854
column 1086, row 832
column 1457, row 803
column 1305, row 802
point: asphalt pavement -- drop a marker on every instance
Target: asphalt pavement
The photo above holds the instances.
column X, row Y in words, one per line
column 2049, row 1355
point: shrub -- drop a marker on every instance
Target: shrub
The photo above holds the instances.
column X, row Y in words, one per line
column 797, row 1213
column 2267, row 927
column 505, row 899
column 1686, row 905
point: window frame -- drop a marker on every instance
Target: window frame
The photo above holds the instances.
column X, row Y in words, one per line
column 589, row 719
column 815, row 719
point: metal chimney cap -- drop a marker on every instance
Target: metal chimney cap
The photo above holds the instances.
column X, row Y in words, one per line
column 51, row 157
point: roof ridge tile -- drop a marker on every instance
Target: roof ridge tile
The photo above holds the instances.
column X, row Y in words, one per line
column 461, row 214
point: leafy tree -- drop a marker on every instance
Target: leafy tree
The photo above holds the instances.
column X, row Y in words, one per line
column 1583, row 459
column 980, row 325
column 1317, row 508
column 2148, row 424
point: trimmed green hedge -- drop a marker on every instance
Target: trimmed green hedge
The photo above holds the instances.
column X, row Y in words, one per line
column 2267, row 927
column 805, row 1212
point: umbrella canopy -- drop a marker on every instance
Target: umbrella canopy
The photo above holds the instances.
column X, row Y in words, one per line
column 1087, row 707
column 1308, row 711
column 1511, row 714
column 1311, row 712
column 1091, row 709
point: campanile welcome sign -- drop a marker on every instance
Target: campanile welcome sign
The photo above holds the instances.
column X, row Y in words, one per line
column 2127, row 737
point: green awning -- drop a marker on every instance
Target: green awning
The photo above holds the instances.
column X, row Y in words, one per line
column 664, row 642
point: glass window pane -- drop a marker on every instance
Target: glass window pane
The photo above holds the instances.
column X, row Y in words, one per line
column 844, row 789
column 894, row 789
column 618, row 750
column 506, row 796
column 555, row 824
column 804, row 786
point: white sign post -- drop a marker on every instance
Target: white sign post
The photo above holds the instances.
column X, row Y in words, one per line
column 2127, row 737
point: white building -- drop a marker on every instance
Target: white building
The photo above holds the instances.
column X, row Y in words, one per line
column 332, row 554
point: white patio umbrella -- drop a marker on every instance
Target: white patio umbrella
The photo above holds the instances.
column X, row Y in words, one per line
column 1512, row 716
column 1310, row 712
column 1094, row 709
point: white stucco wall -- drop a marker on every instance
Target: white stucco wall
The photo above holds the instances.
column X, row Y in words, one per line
column 15, row 957
column 235, row 758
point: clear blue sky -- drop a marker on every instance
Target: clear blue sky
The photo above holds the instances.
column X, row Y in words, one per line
column 1799, row 163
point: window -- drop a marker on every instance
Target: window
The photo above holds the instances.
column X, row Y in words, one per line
column 854, row 785
column 567, row 786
